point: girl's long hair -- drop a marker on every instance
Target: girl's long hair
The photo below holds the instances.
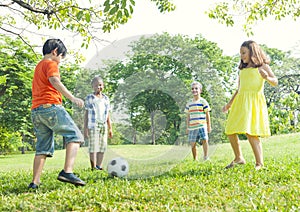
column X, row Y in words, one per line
column 257, row 56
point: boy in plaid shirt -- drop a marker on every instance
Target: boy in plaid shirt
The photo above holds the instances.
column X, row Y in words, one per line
column 97, row 123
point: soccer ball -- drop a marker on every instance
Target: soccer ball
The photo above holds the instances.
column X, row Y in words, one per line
column 118, row 167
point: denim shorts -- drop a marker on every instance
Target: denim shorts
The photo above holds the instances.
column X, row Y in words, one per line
column 198, row 135
column 53, row 120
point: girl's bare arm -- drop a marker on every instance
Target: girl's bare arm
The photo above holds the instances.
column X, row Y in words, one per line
column 266, row 73
column 228, row 105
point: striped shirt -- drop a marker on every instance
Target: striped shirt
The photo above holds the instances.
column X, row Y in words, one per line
column 197, row 111
column 97, row 109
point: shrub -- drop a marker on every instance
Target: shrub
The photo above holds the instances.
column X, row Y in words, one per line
column 9, row 141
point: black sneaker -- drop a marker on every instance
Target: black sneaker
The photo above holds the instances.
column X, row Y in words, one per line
column 33, row 186
column 98, row 167
column 70, row 178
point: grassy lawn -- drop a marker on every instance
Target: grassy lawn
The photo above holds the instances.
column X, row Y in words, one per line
column 162, row 178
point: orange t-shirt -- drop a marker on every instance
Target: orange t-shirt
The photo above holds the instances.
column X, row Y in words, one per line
column 42, row 90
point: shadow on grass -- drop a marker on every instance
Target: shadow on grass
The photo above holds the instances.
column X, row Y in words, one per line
column 15, row 183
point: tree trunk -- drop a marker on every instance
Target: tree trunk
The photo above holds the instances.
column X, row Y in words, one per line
column 152, row 127
column 23, row 148
column 134, row 137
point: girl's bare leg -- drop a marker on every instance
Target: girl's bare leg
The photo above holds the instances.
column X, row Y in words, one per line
column 257, row 150
column 239, row 159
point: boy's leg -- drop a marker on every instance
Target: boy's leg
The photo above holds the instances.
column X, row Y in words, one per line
column 205, row 149
column 257, row 150
column 100, row 156
column 92, row 150
column 92, row 159
column 44, row 144
column 102, row 146
column 38, row 164
column 71, row 152
column 203, row 136
column 66, row 127
column 192, row 138
column 66, row 175
column 194, row 150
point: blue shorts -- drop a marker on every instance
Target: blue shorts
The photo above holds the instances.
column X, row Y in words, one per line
column 198, row 135
column 50, row 120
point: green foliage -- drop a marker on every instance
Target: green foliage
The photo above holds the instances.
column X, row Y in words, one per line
column 159, row 72
column 164, row 5
column 283, row 100
column 253, row 11
column 85, row 18
column 16, row 70
column 284, row 115
column 118, row 136
column 190, row 186
column 9, row 141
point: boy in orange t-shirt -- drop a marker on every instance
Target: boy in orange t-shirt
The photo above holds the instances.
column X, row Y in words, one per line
column 50, row 117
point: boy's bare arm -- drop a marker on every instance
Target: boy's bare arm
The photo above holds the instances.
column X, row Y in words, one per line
column 109, row 124
column 85, row 123
column 208, row 122
column 187, row 123
column 58, row 85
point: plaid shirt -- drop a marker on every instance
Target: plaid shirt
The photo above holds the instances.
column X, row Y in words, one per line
column 90, row 106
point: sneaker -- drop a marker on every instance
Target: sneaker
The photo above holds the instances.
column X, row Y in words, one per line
column 98, row 167
column 33, row 186
column 206, row 158
column 70, row 178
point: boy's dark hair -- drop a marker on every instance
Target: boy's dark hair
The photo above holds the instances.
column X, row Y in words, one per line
column 96, row 79
column 52, row 44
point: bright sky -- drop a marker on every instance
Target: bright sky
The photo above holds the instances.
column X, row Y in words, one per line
column 189, row 18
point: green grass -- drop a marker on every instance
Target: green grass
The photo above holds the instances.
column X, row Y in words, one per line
column 188, row 186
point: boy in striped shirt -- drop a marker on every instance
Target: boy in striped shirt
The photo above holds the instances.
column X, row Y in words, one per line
column 198, row 121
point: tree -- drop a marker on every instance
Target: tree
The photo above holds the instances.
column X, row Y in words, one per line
column 16, row 71
column 85, row 18
column 207, row 64
column 149, row 68
column 253, row 11
column 283, row 100
column 147, row 89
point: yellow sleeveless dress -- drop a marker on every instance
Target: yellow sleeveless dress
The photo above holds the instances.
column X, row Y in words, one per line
column 248, row 112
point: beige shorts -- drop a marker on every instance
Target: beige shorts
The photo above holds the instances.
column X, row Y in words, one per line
column 97, row 139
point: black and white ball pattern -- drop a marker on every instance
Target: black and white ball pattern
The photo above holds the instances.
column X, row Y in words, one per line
column 118, row 167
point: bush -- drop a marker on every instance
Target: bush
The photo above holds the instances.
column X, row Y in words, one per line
column 9, row 141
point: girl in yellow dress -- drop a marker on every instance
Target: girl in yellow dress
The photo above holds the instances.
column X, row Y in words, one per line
column 248, row 109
